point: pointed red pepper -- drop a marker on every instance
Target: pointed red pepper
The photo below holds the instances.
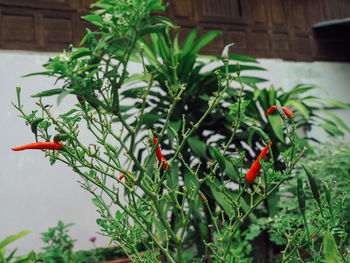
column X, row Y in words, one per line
column 256, row 166
column 39, row 145
column 123, row 176
column 160, row 157
column 287, row 111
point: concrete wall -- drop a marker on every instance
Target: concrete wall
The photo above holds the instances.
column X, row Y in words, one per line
column 334, row 77
column 35, row 195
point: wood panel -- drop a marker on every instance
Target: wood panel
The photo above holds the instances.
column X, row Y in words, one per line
column 260, row 28
column 42, row 4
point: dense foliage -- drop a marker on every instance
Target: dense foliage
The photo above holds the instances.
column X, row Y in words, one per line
column 194, row 203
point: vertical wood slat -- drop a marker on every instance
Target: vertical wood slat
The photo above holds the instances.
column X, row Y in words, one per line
column 183, row 8
column 39, row 29
column 336, row 9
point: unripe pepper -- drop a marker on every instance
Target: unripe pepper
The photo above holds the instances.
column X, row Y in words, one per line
column 39, row 145
column 202, row 196
column 256, row 166
column 160, row 157
column 287, row 111
column 314, row 187
column 301, row 195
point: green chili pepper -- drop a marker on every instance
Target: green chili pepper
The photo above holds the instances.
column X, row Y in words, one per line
column 301, row 195
column 328, row 192
column 314, row 187
column 261, row 133
column 60, row 137
column 328, row 196
column 34, row 127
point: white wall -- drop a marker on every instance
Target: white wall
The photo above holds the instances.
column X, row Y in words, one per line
column 35, row 195
column 334, row 77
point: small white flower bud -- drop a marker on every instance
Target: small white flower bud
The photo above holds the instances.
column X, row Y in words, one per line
column 224, row 54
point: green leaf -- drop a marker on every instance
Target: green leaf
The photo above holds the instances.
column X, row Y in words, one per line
column 12, row 238
column 252, row 80
column 149, row 119
column 205, row 40
column 233, row 68
column 154, row 19
column 175, row 125
column 34, row 126
column 61, row 96
column 46, row 73
column 151, row 57
column 330, row 250
column 276, row 125
column 188, row 43
column 173, row 181
column 337, row 103
column 70, row 112
column 221, row 199
column 48, row 93
column 272, row 95
column 29, row 258
column 93, row 19
column 135, row 77
column 219, row 158
column 160, row 46
column 302, row 88
column 157, row 28
column 80, row 52
column 230, row 170
column 336, row 119
column 300, row 107
column 261, row 134
column 97, row 203
column 331, row 129
column 198, row 147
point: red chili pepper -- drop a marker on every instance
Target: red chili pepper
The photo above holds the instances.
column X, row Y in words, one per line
column 313, row 235
column 123, row 176
column 159, row 155
column 287, row 111
column 256, row 166
column 40, row 145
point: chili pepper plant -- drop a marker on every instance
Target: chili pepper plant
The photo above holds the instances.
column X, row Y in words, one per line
column 162, row 203
column 314, row 206
column 201, row 80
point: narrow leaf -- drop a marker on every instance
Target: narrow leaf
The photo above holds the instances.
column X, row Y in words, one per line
column 338, row 103
column 205, row 40
column 336, row 119
column 276, row 125
column 198, row 147
column 300, row 107
column 330, row 249
column 48, row 93
column 188, row 43
column 12, row 238
column 331, row 129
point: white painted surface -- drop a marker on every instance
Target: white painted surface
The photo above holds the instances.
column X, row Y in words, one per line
column 334, row 77
column 35, row 195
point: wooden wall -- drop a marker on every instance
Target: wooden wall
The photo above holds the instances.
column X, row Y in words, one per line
column 260, row 28
column 269, row 28
column 43, row 25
